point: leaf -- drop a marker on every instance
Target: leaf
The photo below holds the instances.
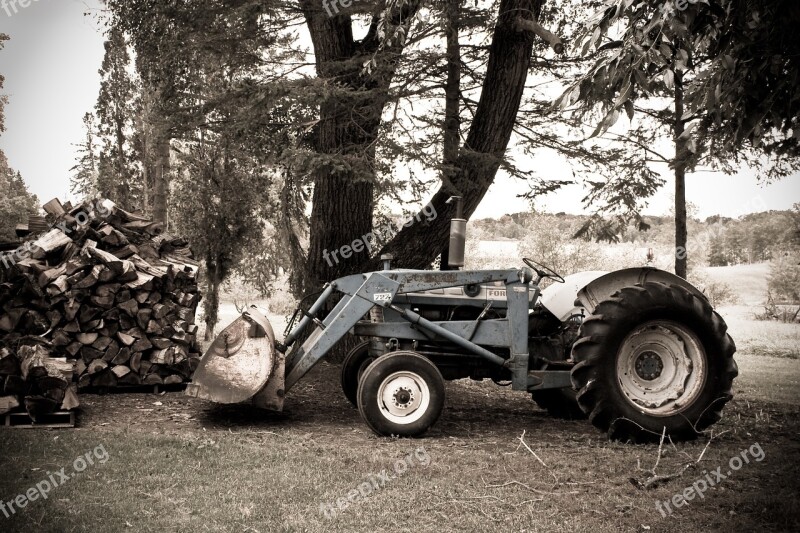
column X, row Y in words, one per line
column 688, row 131
column 624, row 95
column 629, row 109
column 609, row 120
column 669, row 78
column 571, row 97
column 728, row 63
column 610, row 45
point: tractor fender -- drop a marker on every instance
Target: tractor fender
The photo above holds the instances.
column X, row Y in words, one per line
column 585, row 290
column 560, row 298
column 604, row 287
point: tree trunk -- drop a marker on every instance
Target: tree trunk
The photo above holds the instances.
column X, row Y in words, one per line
column 161, row 173
column 343, row 200
column 681, row 232
column 157, row 151
column 476, row 166
column 211, row 304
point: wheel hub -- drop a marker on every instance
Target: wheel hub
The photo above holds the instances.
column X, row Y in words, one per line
column 649, row 365
column 661, row 367
column 403, row 397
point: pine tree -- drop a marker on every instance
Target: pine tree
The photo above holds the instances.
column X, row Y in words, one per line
column 16, row 202
column 84, row 178
column 118, row 177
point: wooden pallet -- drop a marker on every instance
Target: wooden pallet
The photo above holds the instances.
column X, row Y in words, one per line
column 60, row 419
column 133, row 389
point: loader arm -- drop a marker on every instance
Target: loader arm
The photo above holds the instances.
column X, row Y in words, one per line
column 245, row 362
column 377, row 288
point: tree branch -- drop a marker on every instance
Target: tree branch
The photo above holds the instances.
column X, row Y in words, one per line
column 546, row 35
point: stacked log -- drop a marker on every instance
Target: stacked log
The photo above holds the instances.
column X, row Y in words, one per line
column 109, row 291
column 30, row 376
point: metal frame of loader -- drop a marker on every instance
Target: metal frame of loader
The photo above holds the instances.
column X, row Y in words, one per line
column 395, row 293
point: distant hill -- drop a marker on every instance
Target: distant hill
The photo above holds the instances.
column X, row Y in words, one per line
column 717, row 240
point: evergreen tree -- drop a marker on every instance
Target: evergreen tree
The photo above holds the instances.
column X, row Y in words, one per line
column 118, row 176
column 16, row 202
column 85, row 172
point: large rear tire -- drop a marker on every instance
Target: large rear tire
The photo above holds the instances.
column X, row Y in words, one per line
column 652, row 358
column 401, row 394
column 356, row 361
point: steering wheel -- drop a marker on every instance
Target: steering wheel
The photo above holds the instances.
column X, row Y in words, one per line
column 542, row 270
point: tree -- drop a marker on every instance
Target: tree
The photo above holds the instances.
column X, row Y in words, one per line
column 85, row 174
column 660, row 51
column 217, row 208
column 16, row 203
column 716, row 251
column 750, row 96
column 488, row 136
column 3, row 98
column 337, row 152
column 172, row 42
column 794, row 233
column 118, row 177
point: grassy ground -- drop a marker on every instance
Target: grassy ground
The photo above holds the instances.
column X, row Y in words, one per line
column 187, row 465
column 179, row 464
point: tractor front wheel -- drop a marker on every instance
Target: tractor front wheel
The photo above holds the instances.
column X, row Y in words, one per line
column 653, row 358
column 356, row 361
column 401, row 394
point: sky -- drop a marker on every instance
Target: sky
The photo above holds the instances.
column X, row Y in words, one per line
column 51, row 65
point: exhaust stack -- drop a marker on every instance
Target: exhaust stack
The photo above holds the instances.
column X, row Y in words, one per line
column 458, row 234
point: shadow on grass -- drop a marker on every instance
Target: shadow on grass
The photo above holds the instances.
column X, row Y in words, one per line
column 243, row 415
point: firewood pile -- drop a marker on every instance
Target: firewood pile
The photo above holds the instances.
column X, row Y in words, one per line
column 106, row 290
column 43, row 383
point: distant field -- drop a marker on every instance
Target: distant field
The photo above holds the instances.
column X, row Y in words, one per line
column 749, row 282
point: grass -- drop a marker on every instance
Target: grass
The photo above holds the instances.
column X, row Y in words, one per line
column 749, row 282
column 237, row 469
column 760, row 337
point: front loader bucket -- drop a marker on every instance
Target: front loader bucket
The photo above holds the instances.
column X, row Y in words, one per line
column 242, row 365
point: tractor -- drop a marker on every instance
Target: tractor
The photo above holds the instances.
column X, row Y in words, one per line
column 640, row 352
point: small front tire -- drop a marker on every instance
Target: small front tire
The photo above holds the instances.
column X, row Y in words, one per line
column 401, row 394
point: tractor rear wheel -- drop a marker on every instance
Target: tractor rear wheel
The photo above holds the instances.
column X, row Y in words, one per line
column 356, row 361
column 653, row 358
column 401, row 394
column 559, row 403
